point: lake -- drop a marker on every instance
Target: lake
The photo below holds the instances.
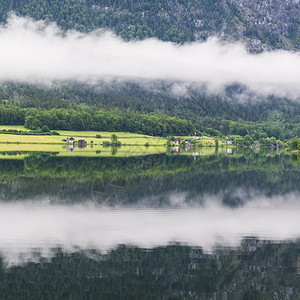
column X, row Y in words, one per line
column 207, row 224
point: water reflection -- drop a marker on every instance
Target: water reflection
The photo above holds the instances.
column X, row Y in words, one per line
column 169, row 226
column 257, row 270
column 28, row 226
column 236, row 178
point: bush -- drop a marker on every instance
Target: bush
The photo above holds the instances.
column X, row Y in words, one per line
column 45, row 129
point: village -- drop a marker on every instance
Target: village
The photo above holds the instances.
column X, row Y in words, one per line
column 187, row 144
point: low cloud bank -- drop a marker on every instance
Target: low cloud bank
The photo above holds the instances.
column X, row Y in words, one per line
column 31, row 227
column 34, row 52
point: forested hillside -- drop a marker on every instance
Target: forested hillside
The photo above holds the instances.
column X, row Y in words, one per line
column 234, row 104
column 262, row 24
column 129, row 107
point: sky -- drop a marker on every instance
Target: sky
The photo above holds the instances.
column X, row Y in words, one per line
column 36, row 52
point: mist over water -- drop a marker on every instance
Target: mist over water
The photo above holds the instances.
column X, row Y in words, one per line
column 36, row 52
column 34, row 227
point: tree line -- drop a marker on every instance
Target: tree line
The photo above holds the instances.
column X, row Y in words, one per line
column 82, row 117
column 86, row 118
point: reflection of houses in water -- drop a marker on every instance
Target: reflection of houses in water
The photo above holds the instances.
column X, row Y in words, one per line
column 189, row 146
column 229, row 151
column 70, row 148
column 72, row 143
column 193, row 266
column 177, row 150
column 255, row 147
column 82, row 143
column 197, row 154
column 108, row 193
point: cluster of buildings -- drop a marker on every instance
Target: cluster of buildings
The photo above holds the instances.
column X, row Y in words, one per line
column 72, row 143
column 187, row 142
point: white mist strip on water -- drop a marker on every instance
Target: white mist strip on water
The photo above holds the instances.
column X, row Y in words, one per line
column 26, row 228
column 35, row 52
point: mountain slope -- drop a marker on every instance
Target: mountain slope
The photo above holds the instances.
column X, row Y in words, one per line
column 267, row 24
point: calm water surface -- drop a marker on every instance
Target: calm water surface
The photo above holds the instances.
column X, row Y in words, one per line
column 168, row 226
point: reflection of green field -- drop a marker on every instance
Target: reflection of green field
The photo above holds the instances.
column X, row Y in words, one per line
column 202, row 151
column 9, row 151
column 19, row 151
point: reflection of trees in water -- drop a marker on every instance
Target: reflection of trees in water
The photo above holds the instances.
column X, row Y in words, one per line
column 296, row 158
column 127, row 180
column 257, row 270
column 107, row 193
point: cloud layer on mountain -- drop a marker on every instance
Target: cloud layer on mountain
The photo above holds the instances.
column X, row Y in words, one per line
column 36, row 52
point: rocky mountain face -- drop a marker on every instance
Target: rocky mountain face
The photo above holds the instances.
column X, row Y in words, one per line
column 260, row 24
column 269, row 23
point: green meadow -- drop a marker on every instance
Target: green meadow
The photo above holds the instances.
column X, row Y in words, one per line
column 90, row 136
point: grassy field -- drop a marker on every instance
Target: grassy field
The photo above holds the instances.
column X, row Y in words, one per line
column 104, row 134
column 14, row 127
column 90, row 136
column 205, row 141
column 31, row 139
column 125, row 137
